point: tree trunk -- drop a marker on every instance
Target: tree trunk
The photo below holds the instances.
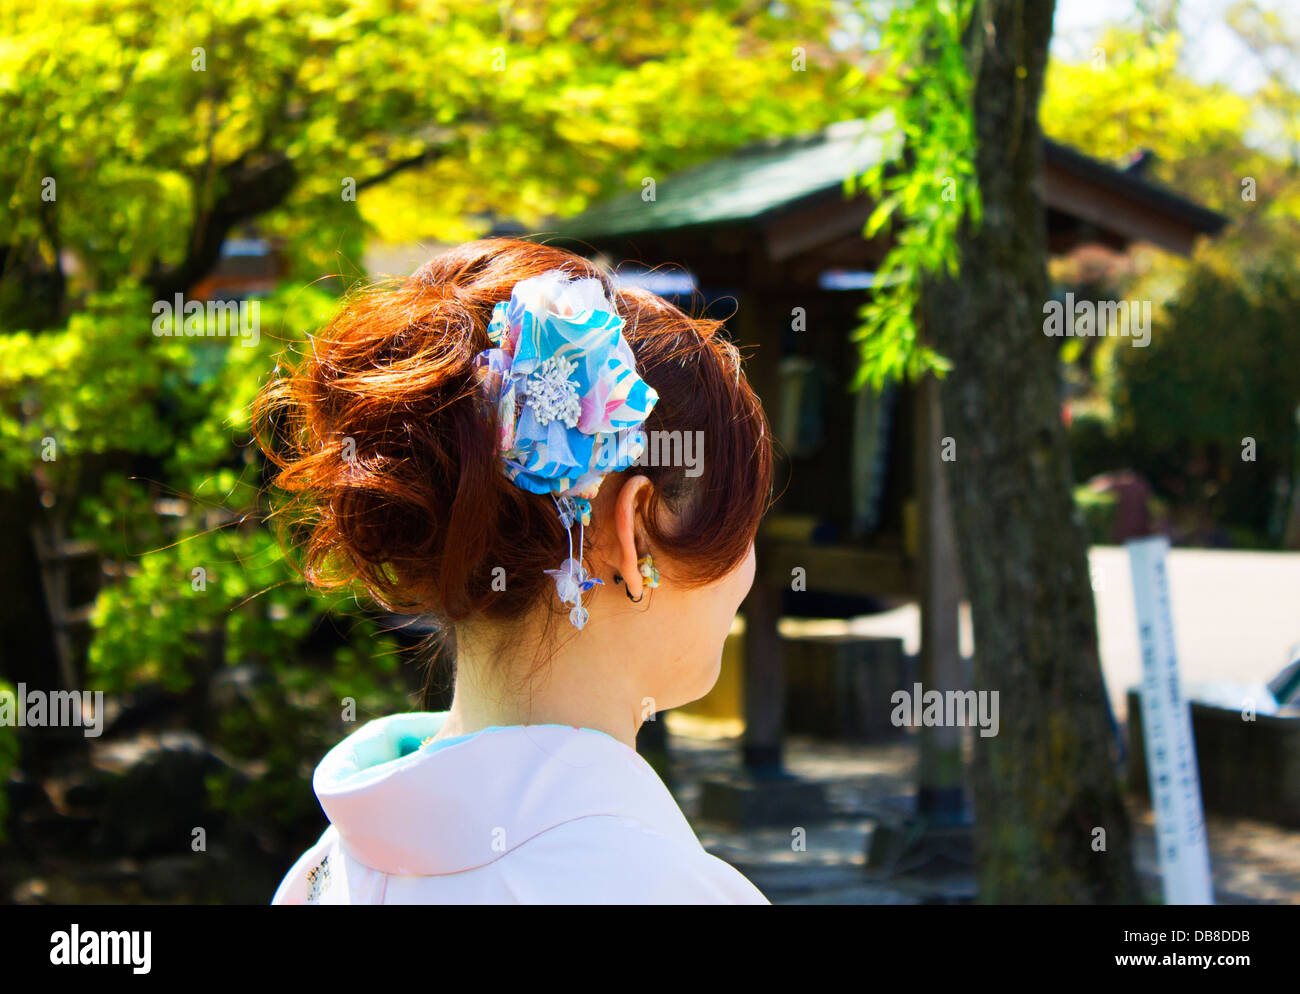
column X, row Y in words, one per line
column 1047, row 782
column 252, row 185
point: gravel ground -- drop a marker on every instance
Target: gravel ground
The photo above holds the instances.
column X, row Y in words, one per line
column 1252, row 862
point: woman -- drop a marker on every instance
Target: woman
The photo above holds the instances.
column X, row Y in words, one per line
column 501, row 442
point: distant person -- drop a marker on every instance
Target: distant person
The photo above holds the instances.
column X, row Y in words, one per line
column 482, row 443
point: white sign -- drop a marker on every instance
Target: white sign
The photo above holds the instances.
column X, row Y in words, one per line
column 1183, row 851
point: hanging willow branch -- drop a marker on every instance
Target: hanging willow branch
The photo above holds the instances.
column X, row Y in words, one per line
column 926, row 188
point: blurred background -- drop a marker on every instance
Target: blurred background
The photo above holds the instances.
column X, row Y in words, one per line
column 154, row 155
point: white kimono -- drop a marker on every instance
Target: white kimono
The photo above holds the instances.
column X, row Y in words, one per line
column 527, row 814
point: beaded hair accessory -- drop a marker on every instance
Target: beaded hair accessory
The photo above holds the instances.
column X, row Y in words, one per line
column 569, row 403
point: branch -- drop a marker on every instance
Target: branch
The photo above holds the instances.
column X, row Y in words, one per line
column 253, row 184
column 431, row 154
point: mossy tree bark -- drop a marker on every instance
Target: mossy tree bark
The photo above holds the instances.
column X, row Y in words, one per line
column 1047, row 782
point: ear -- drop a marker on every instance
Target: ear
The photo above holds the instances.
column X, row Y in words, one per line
column 625, row 512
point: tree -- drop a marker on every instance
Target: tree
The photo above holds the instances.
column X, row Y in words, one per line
column 1047, row 782
column 140, row 134
column 1209, row 143
column 1222, row 316
column 1274, row 40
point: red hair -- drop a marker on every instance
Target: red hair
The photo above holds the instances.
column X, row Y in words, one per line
column 390, row 461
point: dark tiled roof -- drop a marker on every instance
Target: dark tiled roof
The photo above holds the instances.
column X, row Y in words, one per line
column 769, row 176
column 739, row 187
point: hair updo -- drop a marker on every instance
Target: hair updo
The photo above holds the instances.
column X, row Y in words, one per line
column 389, row 459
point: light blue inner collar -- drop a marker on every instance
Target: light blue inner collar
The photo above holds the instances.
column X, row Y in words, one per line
column 409, row 743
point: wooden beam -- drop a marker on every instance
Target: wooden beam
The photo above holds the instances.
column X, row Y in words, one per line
column 817, row 222
column 1114, row 213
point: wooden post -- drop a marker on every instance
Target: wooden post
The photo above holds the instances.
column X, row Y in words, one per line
column 764, row 678
column 766, row 794
column 940, row 794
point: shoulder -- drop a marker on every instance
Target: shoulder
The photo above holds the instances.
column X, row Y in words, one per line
column 612, row 859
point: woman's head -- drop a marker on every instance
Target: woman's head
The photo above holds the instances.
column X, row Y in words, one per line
column 390, row 457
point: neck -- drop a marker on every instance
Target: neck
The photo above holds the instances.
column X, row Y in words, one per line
column 579, row 683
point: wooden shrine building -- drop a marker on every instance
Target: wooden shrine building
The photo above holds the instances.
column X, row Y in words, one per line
column 760, row 233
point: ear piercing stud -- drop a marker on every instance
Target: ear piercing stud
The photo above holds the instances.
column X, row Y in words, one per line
column 649, row 572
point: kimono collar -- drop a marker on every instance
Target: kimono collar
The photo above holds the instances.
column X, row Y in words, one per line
column 454, row 805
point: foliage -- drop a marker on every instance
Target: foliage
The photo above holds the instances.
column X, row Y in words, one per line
column 1220, row 371
column 1094, row 446
column 8, row 760
column 140, row 134
column 204, row 588
column 85, row 390
column 1133, row 95
column 1211, row 144
column 1097, row 512
column 161, row 122
column 927, row 188
column 1274, row 41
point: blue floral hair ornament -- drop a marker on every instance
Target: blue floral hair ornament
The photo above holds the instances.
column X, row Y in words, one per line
column 569, row 402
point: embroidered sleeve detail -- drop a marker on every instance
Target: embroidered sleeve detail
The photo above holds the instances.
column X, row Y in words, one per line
column 318, row 878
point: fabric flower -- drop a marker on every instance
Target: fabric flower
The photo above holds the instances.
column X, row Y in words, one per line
column 572, row 581
column 568, row 399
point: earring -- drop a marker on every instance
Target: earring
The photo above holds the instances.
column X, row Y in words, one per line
column 635, row 600
column 646, row 566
